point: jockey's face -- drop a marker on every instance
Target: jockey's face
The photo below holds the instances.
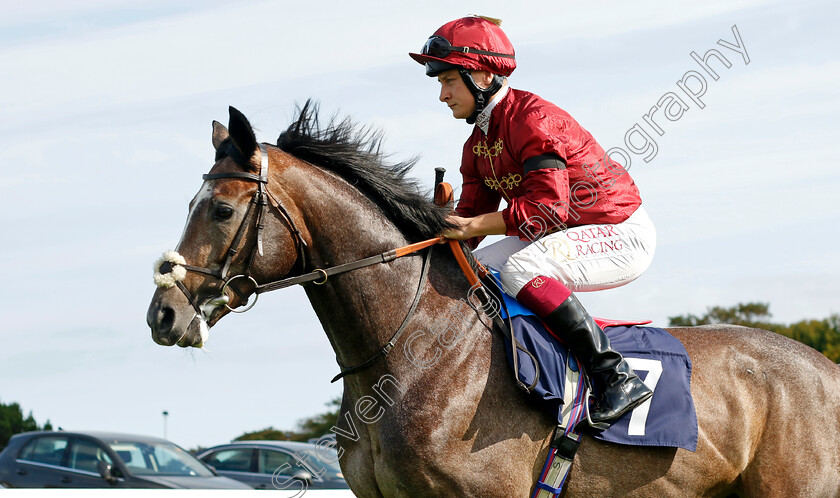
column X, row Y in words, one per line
column 455, row 94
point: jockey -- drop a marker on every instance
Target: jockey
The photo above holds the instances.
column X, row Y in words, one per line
column 574, row 218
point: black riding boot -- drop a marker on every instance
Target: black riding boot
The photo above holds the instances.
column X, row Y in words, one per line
column 620, row 388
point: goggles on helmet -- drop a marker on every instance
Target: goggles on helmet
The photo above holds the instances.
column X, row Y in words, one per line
column 438, row 46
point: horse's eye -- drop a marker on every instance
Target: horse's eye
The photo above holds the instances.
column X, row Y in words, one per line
column 223, row 212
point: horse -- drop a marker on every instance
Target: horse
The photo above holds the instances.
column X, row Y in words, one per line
column 437, row 412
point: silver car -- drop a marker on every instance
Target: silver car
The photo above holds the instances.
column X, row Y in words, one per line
column 277, row 464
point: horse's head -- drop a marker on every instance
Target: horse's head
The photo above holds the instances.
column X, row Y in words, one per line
column 233, row 231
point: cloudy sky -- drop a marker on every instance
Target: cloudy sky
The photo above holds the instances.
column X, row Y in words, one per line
column 106, row 109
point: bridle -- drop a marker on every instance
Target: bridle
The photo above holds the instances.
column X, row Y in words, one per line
column 259, row 204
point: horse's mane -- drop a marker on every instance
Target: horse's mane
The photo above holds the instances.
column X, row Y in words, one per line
column 354, row 153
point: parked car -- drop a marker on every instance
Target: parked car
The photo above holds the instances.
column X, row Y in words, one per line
column 277, row 464
column 48, row 459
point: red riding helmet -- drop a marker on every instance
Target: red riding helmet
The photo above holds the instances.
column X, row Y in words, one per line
column 473, row 43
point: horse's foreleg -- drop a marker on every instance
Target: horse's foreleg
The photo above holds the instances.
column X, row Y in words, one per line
column 355, row 453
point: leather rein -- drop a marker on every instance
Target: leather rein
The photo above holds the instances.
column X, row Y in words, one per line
column 259, row 204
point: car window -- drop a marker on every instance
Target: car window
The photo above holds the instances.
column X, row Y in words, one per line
column 321, row 459
column 235, row 460
column 85, row 455
column 131, row 455
column 158, row 458
column 48, row 449
column 277, row 462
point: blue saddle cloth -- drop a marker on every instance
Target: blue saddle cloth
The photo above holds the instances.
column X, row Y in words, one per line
column 659, row 359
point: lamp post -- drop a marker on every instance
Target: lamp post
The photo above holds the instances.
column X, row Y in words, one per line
column 165, row 414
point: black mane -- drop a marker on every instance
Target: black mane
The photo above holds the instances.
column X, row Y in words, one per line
column 355, row 154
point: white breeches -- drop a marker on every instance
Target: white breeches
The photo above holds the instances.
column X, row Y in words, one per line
column 585, row 258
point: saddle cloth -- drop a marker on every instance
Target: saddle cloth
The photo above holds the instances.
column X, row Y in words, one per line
column 660, row 360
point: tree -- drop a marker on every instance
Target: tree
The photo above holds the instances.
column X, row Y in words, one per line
column 308, row 428
column 749, row 315
column 267, row 433
column 12, row 422
column 321, row 424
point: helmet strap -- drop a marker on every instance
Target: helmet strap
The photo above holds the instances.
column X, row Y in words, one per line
column 482, row 95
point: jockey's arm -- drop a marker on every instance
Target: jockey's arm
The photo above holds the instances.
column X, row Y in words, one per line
column 483, row 224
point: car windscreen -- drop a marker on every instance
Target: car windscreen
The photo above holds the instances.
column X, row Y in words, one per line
column 162, row 459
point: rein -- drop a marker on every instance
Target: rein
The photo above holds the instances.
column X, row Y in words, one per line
column 320, row 275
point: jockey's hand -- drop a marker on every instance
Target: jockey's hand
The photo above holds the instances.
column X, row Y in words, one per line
column 461, row 230
column 467, row 228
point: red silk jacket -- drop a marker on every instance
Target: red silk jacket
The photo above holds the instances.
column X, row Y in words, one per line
column 591, row 189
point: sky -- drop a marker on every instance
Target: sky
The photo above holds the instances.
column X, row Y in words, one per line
column 105, row 131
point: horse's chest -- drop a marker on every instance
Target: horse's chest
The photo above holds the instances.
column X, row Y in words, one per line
column 394, row 470
column 407, row 453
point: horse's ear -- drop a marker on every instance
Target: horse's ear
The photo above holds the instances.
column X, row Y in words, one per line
column 242, row 134
column 220, row 133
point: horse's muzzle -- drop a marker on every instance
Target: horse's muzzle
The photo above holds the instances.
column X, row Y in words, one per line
column 172, row 324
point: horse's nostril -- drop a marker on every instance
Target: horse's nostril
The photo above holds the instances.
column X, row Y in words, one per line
column 167, row 318
column 161, row 320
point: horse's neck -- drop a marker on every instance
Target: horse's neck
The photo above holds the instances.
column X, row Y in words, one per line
column 358, row 308
column 361, row 310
